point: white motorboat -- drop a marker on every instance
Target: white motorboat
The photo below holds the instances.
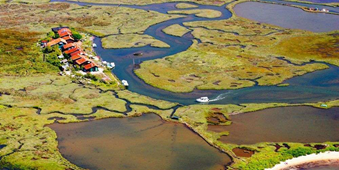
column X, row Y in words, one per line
column 109, row 66
column 203, row 100
column 125, row 83
column 94, row 45
column 104, row 62
column 112, row 64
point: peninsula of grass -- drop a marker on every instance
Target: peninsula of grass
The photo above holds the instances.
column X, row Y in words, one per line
column 185, row 5
column 204, row 13
column 147, row 2
column 131, row 40
column 238, row 53
column 176, row 30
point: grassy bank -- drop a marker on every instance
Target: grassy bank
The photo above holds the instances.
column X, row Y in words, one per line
column 237, row 53
column 131, row 40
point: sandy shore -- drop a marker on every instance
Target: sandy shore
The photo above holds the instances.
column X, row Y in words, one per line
column 308, row 159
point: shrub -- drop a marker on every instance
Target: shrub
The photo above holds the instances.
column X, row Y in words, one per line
column 76, row 35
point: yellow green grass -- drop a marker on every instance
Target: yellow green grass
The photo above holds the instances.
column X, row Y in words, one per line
column 204, row 13
column 238, row 53
column 131, row 40
column 60, row 95
column 29, row 144
column 176, row 30
column 145, row 2
column 98, row 20
column 306, row 47
column 185, row 5
column 137, row 98
column 205, row 66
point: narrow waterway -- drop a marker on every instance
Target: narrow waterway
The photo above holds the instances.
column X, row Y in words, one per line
column 145, row 142
column 148, row 142
column 313, row 88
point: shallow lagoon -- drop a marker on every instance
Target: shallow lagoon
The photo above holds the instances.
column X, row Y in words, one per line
column 287, row 17
column 145, row 142
column 284, row 124
column 322, row 1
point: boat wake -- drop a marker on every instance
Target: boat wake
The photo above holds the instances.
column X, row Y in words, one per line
column 220, row 97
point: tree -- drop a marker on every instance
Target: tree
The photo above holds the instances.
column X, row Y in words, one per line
column 51, row 34
column 77, row 36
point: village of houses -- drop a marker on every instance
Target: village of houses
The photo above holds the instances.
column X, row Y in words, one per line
column 74, row 56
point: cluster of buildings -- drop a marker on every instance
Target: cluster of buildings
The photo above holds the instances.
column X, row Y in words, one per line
column 72, row 49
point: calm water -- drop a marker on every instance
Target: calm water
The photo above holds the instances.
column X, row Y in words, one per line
column 287, row 17
column 323, row 168
column 145, row 142
column 287, row 124
column 323, row 1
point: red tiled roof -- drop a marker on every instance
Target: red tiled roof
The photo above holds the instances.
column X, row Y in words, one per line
column 76, row 53
column 71, row 50
column 64, row 32
column 67, row 38
column 80, row 61
column 76, row 57
column 89, row 66
column 68, row 46
column 55, row 41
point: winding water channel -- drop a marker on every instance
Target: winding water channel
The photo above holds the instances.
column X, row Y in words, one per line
column 317, row 86
column 312, row 87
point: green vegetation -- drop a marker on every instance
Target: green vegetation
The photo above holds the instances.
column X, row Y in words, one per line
column 19, row 54
column 24, row 1
column 206, row 66
column 137, row 98
column 98, row 20
column 29, row 144
column 306, row 47
column 204, row 13
column 131, row 40
column 176, row 30
column 267, row 157
column 51, row 55
column 237, row 53
column 76, row 35
column 185, row 5
column 145, row 2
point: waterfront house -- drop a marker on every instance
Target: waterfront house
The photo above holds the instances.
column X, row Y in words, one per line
column 58, row 41
column 64, row 32
column 68, row 46
column 76, row 53
column 56, row 29
column 75, row 57
column 82, row 61
column 68, row 39
column 70, row 51
column 91, row 67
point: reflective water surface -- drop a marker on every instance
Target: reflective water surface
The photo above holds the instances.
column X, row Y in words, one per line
column 145, row 142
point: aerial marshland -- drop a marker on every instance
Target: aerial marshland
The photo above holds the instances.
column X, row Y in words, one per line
column 265, row 77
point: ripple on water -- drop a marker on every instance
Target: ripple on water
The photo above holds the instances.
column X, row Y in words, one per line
column 285, row 124
column 287, row 17
column 145, row 142
column 323, row 1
